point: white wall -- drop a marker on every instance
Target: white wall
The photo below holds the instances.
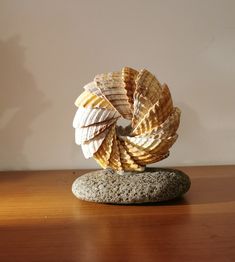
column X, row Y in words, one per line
column 50, row 49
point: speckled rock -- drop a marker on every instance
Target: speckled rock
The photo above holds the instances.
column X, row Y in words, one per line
column 151, row 185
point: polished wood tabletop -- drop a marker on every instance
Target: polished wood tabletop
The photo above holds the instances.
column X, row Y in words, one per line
column 41, row 220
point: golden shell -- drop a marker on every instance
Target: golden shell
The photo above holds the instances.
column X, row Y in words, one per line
column 135, row 96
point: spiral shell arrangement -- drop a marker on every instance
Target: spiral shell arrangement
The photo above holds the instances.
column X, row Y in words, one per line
column 133, row 95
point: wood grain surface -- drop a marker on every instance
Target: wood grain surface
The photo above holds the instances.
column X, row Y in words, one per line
column 40, row 220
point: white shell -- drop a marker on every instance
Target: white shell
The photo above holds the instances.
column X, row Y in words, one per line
column 89, row 116
column 87, row 133
column 90, row 147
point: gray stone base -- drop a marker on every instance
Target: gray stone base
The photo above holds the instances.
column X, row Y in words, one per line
column 151, row 185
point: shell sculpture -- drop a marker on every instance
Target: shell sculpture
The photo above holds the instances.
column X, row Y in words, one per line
column 133, row 95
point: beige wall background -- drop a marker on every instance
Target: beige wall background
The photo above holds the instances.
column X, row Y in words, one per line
column 50, row 49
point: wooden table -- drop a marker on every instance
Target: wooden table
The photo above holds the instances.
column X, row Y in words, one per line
column 40, row 220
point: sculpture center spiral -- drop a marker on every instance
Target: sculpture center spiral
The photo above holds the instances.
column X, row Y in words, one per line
column 123, row 127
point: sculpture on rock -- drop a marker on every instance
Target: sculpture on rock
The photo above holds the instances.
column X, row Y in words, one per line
column 123, row 153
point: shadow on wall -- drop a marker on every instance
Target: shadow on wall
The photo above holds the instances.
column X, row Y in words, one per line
column 20, row 103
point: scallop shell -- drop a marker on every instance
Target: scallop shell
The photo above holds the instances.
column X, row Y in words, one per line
column 89, row 148
column 91, row 116
column 115, row 160
column 93, row 88
column 149, row 146
column 147, row 93
column 103, row 154
column 88, row 99
column 113, row 89
column 156, row 114
column 87, row 133
column 128, row 163
column 129, row 76
column 138, row 97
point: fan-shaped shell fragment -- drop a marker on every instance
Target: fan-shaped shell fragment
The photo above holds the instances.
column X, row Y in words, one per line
column 113, row 89
column 91, row 116
column 87, row 133
column 103, row 154
column 90, row 147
